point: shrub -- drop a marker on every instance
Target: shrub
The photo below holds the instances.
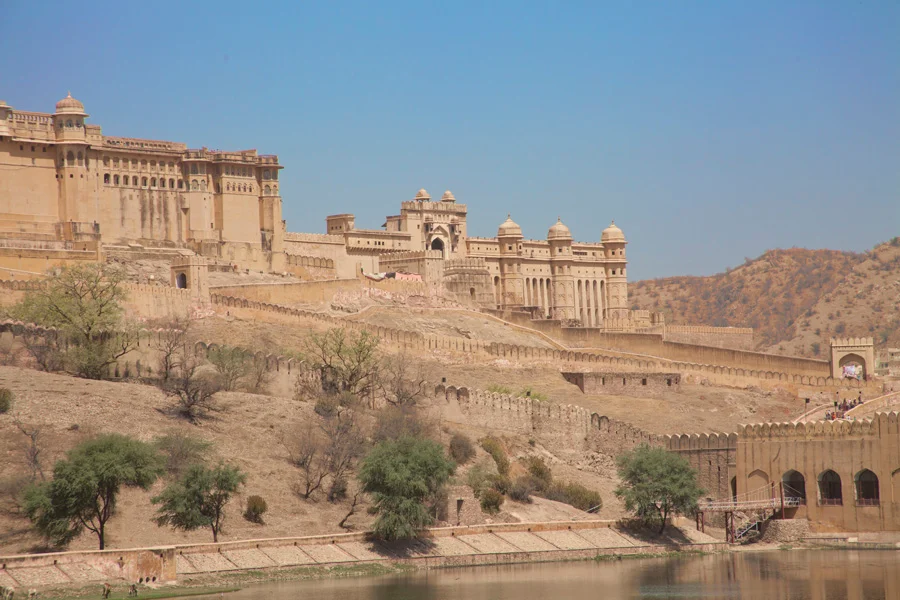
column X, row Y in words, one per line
column 540, row 473
column 395, row 422
column 575, row 494
column 493, row 447
column 461, row 449
column 338, row 489
column 521, row 489
column 534, row 395
column 491, row 500
column 6, row 400
column 182, row 451
column 256, row 508
column 499, row 389
column 326, row 406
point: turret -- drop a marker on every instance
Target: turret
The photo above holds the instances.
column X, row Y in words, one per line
column 512, row 291
column 563, row 293
column 72, row 158
column 616, row 301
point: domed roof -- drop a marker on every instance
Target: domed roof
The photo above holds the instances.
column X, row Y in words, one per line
column 509, row 228
column 422, row 195
column 559, row 231
column 448, row 197
column 612, row 234
column 69, row 105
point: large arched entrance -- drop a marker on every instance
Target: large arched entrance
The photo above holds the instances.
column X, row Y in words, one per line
column 853, row 366
column 830, row 493
column 438, row 244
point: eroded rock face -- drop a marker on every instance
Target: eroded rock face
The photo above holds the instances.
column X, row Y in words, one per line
column 781, row 531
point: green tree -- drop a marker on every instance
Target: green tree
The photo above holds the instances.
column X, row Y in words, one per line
column 232, row 365
column 656, row 484
column 85, row 485
column 84, row 303
column 402, row 476
column 198, row 499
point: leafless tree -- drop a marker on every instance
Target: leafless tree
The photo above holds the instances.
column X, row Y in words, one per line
column 33, row 448
column 193, row 390
column 402, row 380
column 346, row 361
column 307, row 452
column 354, row 503
column 45, row 349
column 259, row 377
column 171, row 338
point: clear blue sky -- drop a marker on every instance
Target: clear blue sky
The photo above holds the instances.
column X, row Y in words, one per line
column 709, row 131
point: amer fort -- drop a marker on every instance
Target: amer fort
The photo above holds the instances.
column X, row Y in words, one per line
column 70, row 194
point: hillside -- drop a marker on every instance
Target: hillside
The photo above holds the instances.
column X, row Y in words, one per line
column 793, row 298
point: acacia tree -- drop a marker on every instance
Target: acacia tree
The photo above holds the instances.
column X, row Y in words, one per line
column 231, row 364
column 85, row 486
column 84, row 303
column 402, row 380
column 656, row 484
column 169, row 344
column 193, row 390
column 198, row 499
column 345, row 361
column 403, row 476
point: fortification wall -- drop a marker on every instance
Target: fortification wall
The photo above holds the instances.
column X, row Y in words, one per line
column 736, row 338
column 32, row 263
column 766, row 452
column 627, row 383
column 317, row 292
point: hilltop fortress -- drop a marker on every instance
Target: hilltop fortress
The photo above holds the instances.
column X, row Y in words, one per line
column 68, row 193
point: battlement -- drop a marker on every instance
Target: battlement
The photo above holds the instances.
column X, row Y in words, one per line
column 878, row 426
column 448, row 207
column 413, row 255
column 320, row 238
column 453, row 264
column 853, row 341
column 709, row 330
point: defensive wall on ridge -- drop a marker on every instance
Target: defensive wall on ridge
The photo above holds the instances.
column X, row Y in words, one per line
column 568, row 428
column 714, row 373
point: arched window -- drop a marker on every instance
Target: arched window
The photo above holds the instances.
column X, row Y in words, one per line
column 195, row 185
column 69, row 123
column 867, row 493
column 80, row 159
column 134, row 181
column 172, row 184
column 106, row 178
column 70, row 158
column 268, row 190
column 153, row 182
column 275, row 189
column 180, row 184
column 105, row 161
column 162, row 182
column 194, row 169
column 267, row 175
column 152, row 164
column 830, row 489
column 171, row 168
column 794, row 485
column 203, row 185
column 181, row 281
column 143, row 182
column 116, row 179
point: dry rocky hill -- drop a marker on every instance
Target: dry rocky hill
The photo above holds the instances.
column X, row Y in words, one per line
column 795, row 299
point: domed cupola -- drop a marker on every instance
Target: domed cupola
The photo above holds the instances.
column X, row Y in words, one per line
column 448, row 197
column 612, row 234
column 509, row 228
column 70, row 106
column 422, row 196
column 559, row 231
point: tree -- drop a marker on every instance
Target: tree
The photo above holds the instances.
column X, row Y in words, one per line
column 198, row 499
column 85, row 485
column 329, row 450
column 345, row 361
column 168, row 344
column 84, row 303
column 402, row 476
column 258, row 376
column 194, row 391
column 306, row 451
column 181, row 451
column 231, row 364
column 402, row 380
column 656, row 484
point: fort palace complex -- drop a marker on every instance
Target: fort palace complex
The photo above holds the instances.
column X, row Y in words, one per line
column 68, row 193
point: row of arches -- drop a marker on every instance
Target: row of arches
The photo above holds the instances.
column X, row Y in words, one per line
column 143, row 182
column 828, row 486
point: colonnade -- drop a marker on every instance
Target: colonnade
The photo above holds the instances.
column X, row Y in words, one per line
column 590, row 298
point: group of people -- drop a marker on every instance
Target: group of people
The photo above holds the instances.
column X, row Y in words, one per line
column 841, row 407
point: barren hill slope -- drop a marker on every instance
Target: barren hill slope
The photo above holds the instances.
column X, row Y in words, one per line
column 793, row 298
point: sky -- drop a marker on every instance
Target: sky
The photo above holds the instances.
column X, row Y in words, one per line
column 709, row 131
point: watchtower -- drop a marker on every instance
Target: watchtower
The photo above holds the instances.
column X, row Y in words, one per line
column 191, row 272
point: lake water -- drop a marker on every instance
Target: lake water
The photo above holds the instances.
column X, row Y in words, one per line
column 775, row 575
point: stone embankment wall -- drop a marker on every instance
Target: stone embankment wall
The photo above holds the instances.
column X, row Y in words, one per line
column 502, row 543
column 737, row 338
column 318, row 292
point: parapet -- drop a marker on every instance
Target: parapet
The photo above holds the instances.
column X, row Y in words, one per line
column 853, row 341
column 882, row 423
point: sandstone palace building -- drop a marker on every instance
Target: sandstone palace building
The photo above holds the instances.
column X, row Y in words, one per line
column 69, row 192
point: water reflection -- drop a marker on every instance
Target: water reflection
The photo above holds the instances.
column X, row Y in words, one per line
column 796, row 575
